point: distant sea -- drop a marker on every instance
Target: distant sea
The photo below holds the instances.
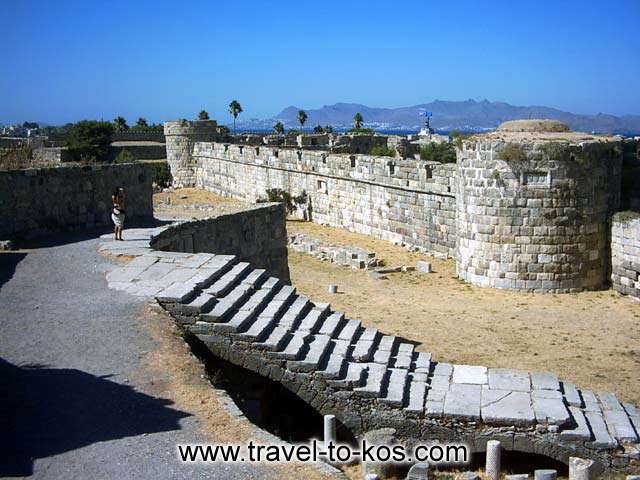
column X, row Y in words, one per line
column 341, row 130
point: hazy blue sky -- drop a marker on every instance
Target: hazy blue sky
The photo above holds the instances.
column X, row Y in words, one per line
column 67, row 60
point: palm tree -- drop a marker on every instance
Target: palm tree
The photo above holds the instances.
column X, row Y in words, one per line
column 235, row 109
column 203, row 115
column 142, row 123
column 278, row 128
column 121, row 124
column 357, row 120
column 302, row 117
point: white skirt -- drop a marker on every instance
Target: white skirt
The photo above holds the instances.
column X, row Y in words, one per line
column 118, row 220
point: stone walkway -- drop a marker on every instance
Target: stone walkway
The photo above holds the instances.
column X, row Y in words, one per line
column 366, row 378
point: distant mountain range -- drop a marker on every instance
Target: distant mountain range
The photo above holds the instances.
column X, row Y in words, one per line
column 447, row 115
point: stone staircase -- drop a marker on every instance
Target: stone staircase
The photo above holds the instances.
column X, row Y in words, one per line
column 366, row 378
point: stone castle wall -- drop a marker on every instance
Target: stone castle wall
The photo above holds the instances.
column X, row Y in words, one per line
column 521, row 210
column 537, row 221
column 180, row 137
column 625, row 253
column 37, row 201
column 256, row 235
column 408, row 202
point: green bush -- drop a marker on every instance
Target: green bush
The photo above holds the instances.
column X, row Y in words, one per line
column 382, row 151
column 125, row 156
column 513, row 153
column 161, row 174
column 439, row 152
column 291, row 203
column 89, row 140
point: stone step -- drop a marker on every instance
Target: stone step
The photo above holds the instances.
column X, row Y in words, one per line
column 333, row 368
column 241, row 320
column 396, row 384
column 293, row 347
column 602, row 438
column 258, row 300
column 374, row 381
column 271, row 282
column 571, row 394
column 382, row 357
column 177, row 293
column 316, row 350
column 620, row 426
column 298, row 309
column 227, row 305
column 285, row 293
column 332, row 324
column 422, row 362
column 402, row 360
column 350, row 330
column 257, row 331
column 336, row 360
column 417, row 392
column 311, row 322
column 248, row 311
column 352, row 376
column 582, row 431
column 228, row 281
column 197, row 260
column 388, row 343
column 365, row 345
column 275, row 341
column 255, row 278
column 201, row 303
column 267, row 311
column 213, row 270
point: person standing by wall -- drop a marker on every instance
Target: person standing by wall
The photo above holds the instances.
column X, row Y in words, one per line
column 117, row 215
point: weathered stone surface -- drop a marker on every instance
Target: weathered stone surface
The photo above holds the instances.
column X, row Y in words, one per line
column 507, row 379
column 544, row 381
column 463, row 400
column 550, row 410
column 506, row 407
column 470, row 374
column 582, row 431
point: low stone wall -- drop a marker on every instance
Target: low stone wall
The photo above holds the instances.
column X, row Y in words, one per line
column 137, row 136
column 256, row 235
column 51, row 155
column 155, row 151
column 409, row 202
column 625, row 253
column 37, row 201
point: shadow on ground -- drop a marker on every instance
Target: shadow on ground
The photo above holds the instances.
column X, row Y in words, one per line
column 46, row 411
column 8, row 263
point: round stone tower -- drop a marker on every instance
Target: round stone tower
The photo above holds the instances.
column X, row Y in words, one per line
column 180, row 137
column 533, row 206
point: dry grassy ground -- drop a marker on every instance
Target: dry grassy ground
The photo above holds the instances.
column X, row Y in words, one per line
column 590, row 338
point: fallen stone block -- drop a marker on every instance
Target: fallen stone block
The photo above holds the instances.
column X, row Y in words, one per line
column 423, row 266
